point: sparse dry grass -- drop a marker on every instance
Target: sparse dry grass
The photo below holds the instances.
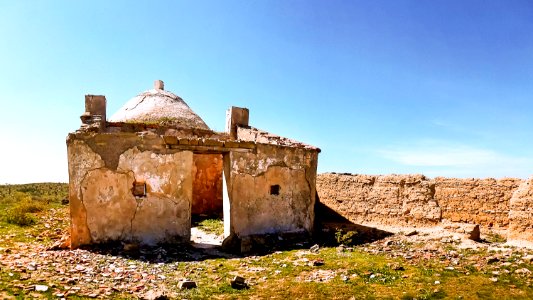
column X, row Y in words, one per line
column 362, row 272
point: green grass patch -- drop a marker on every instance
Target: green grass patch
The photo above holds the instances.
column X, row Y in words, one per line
column 214, row 226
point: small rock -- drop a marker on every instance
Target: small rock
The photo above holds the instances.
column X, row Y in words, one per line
column 238, row 283
column 492, row 259
column 317, row 262
column 410, row 233
column 528, row 258
column 388, row 243
column 397, row 267
column 314, row 248
column 522, row 271
column 494, row 279
column 187, row 284
column 437, row 282
column 41, row 288
column 93, row 295
column 154, row 295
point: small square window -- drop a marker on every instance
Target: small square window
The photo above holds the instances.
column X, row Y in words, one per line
column 274, row 189
column 139, row 189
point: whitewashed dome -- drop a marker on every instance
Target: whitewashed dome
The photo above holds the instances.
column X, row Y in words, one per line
column 160, row 107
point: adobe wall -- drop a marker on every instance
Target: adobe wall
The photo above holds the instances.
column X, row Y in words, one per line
column 477, row 201
column 103, row 169
column 416, row 200
column 207, row 184
column 256, row 207
column 521, row 213
column 389, row 199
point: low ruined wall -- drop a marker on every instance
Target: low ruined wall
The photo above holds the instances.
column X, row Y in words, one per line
column 390, row 199
column 417, row 200
column 477, row 201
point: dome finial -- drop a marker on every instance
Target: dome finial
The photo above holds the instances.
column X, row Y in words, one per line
column 159, row 85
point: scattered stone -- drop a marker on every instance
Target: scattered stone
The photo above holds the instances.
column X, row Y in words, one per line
column 238, row 283
column 411, row 233
column 41, row 288
column 522, row 271
column 492, row 259
column 314, row 248
column 437, row 282
column 528, row 258
column 472, row 232
column 187, row 284
column 154, row 295
column 397, row 267
column 317, row 262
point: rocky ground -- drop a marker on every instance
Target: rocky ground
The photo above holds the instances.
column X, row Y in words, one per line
column 421, row 264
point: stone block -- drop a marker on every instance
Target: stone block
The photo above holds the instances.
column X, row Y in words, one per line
column 170, row 140
column 187, row 284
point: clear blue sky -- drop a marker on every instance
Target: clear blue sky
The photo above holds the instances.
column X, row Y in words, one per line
column 433, row 87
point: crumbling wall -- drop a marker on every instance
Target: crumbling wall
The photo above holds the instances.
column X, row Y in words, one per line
column 390, row 199
column 417, row 200
column 103, row 206
column 207, row 184
column 521, row 213
column 271, row 190
column 476, row 201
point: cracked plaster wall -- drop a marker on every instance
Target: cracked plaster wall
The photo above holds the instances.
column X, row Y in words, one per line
column 103, row 207
column 253, row 209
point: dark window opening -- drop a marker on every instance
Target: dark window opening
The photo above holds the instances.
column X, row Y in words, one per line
column 274, row 189
column 139, row 189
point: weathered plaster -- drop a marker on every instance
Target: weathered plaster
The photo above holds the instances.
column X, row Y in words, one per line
column 81, row 159
column 253, row 209
column 109, row 203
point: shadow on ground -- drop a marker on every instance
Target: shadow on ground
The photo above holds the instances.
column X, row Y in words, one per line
column 328, row 225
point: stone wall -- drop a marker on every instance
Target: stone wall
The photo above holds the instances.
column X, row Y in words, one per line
column 417, row 200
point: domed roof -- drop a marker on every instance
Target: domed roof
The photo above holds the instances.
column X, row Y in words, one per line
column 159, row 106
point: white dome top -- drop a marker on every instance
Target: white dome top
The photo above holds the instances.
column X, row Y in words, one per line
column 159, row 106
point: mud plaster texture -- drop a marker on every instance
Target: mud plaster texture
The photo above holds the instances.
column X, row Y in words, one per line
column 414, row 200
column 103, row 207
column 250, row 176
column 139, row 177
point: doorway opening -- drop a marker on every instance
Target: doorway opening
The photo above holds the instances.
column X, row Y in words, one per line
column 207, row 213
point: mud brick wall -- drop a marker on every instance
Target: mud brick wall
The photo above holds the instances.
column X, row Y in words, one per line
column 479, row 201
column 415, row 199
column 389, row 199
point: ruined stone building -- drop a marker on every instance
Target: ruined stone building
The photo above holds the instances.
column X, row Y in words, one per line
column 139, row 176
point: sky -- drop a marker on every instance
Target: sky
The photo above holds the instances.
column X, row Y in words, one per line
column 441, row 88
